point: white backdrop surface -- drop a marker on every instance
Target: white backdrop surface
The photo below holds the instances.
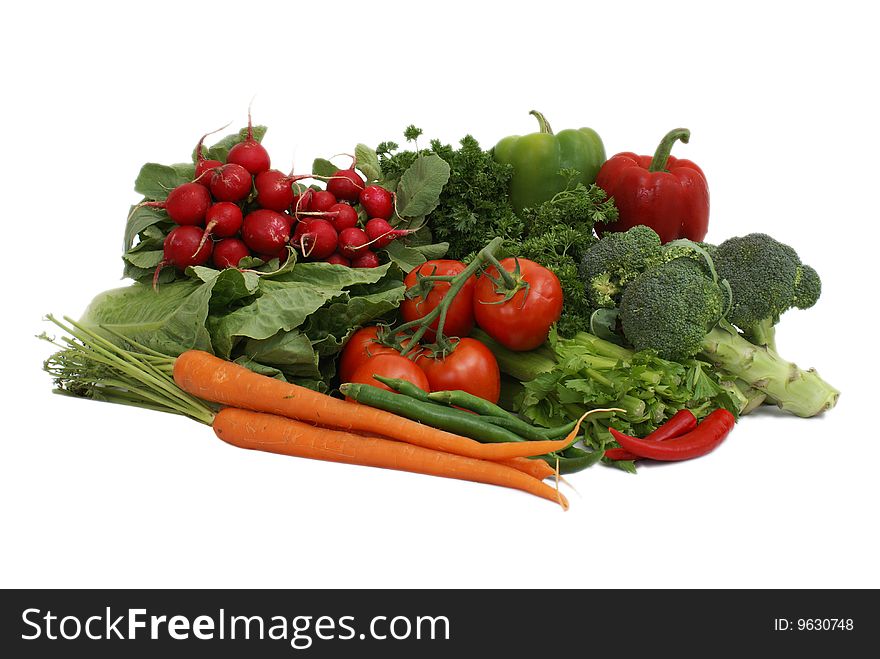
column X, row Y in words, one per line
column 781, row 102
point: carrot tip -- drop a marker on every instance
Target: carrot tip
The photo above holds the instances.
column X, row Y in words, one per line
column 562, row 502
column 559, row 496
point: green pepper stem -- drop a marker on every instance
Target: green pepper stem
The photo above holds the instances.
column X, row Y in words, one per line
column 661, row 155
column 544, row 125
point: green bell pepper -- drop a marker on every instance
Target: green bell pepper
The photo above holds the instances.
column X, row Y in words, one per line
column 537, row 159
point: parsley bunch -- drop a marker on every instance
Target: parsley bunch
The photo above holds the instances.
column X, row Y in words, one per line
column 474, row 208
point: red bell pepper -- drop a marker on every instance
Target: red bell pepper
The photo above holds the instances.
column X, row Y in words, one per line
column 668, row 194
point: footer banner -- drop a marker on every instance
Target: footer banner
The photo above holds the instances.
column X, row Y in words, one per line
column 333, row 623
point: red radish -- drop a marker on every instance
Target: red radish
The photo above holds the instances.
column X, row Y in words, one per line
column 275, row 189
column 186, row 204
column 298, row 231
column 265, row 231
column 377, row 201
column 322, row 200
column 317, row 239
column 381, row 233
column 223, row 219
column 345, row 216
column 205, row 170
column 231, row 182
column 346, row 184
column 367, row 259
column 228, row 252
column 337, row 259
column 352, row 241
column 302, row 203
column 250, row 154
column 204, row 167
column 183, row 248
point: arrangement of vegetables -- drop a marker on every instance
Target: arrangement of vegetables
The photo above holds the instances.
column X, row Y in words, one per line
column 502, row 316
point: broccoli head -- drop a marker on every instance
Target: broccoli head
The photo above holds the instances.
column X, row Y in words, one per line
column 766, row 279
column 677, row 309
column 611, row 264
column 671, row 307
column 685, row 247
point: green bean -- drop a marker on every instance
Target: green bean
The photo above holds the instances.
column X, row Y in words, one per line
column 546, row 433
column 432, row 414
column 405, row 387
column 573, row 460
column 528, row 431
column 470, row 402
column 489, row 412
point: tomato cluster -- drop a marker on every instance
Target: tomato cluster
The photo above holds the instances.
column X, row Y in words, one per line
column 470, row 367
column 519, row 320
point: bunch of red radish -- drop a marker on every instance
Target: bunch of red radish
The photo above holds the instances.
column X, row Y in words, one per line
column 244, row 208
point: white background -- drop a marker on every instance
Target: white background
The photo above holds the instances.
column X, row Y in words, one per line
column 780, row 101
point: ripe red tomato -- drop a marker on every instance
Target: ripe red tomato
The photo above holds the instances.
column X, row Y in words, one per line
column 360, row 347
column 523, row 321
column 390, row 366
column 459, row 317
column 470, row 367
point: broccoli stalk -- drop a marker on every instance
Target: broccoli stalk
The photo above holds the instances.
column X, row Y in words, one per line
column 678, row 309
column 751, row 398
column 761, row 332
column 794, row 390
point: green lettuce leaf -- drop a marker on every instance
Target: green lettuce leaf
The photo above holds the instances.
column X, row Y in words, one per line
column 280, row 306
column 333, row 323
column 155, row 181
column 323, row 167
column 291, row 353
column 170, row 319
column 368, row 162
column 418, row 191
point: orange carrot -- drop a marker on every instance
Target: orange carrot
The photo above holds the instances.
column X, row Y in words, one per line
column 536, row 468
column 276, row 434
column 211, row 378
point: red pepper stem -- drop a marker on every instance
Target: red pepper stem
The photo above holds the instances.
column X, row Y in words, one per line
column 661, row 155
column 544, row 125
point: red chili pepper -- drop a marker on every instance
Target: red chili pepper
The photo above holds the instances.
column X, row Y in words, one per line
column 681, row 422
column 665, row 193
column 705, row 437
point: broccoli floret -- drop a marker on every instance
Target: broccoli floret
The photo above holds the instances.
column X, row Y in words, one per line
column 676, row 309
column 685, row 247
column 616, row 260
column 807, row 287
column 670, row 308
column 766, row 279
